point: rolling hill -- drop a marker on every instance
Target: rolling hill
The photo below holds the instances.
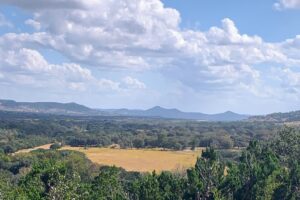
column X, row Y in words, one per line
column 158, row 111
column 278, row 117
column 77, row 109
column 46, row 107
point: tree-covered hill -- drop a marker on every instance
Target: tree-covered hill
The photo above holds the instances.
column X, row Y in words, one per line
column 46, row 107
column 278, row 117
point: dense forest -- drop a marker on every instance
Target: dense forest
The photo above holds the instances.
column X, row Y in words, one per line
column 267, row 167
column 25, row 130
column 265, row 170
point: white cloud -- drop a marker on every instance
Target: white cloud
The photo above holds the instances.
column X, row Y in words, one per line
column 143, row 35
column 77, row 86
column 229, row 34
column 287, row 4
column 108, row 33
column 139, row 35
column 128, row 83
column 133, row 83
column 21, row 65
column 36, row 25
column 106, row 84
column 27, row 67
column 28, row 61
column 51, row 4
column 289, row 80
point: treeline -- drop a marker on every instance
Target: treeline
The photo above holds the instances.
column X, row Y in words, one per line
column 268, row 170
column 279, row 117
column 21, row 130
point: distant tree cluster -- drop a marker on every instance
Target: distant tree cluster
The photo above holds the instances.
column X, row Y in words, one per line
column 21, row 130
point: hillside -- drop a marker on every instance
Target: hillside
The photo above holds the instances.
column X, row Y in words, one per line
column 158, row 111
column 278, row 117
column 77, row 109
column 45, row 107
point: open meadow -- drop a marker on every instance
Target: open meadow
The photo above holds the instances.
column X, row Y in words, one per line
column 142, row 160
column 45, row 147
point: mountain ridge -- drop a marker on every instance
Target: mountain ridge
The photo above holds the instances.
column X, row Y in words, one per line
column 173, row 113
column 44, row 107
column 78, row 109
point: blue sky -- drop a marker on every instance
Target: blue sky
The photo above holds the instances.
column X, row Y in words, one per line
column 254, row 17
column 197, row 55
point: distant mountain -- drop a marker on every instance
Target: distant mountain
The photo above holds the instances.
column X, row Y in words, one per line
column 278, row 117
column 46, row 107
column 158, row 111
column 77, row 109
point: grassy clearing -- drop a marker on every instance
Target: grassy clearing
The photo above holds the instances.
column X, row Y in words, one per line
column 294, row 124
column 46, row 146
column 142, row 160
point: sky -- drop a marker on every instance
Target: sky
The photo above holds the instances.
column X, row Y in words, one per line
column 205, row 56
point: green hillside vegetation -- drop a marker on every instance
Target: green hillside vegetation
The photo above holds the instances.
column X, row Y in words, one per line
column 25, row 130
column 265, row 170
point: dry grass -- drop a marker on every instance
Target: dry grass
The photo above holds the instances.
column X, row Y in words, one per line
column 46, row 146
column 292, row 124
column 142, row 160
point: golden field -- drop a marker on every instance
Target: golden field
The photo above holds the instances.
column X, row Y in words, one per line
column 46, row 146
column 142, row 160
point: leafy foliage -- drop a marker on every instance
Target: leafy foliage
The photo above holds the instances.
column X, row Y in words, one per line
column 25, row 130
column 264, row 170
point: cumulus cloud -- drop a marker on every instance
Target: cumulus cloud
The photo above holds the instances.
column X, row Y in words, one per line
column 287, row 4
column 36, row 25
column 24, row 66
column 109, row 33
column 127, row 83
column 106, row 84
column 133, row 83
column 143, row 35
column 139, row 35
column 50, row 4
column 28, row 67
column 289, row 79
column 28, row 61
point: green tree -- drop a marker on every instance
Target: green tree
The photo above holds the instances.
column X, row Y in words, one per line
column 205, row 178
column 147, row 188
column 108, row 186
column 257, row 176
column 171, row 186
